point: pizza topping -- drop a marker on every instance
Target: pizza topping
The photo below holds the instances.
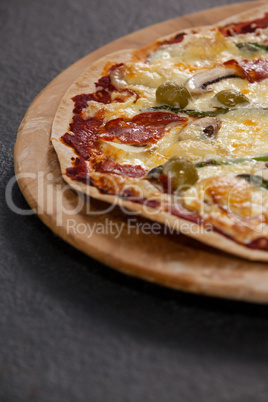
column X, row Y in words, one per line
column 191, row 112
column 230, row 194
column 252, row 70
column 79, row 171
column 84, row 139
column 230, row 97
column 172, row 93
column 115, row 145
column 255, row 70
column 212, row 162
column 245, row 27
column 252, row 47
column 209, row 125
column 199, row 83
column 259, row 243
column 254, row 180
column 117, row 77
column 108, row 166
column 103, row 94
column 141, row 129
column 177, row 39
column 155, row 173
column 178, row 174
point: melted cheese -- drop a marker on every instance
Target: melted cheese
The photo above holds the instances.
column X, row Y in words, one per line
column 243, row 132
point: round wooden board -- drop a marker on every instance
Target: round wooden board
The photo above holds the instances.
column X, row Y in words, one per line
column 168, row 259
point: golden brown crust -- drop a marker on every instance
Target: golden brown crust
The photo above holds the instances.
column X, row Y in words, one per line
column 245, row 16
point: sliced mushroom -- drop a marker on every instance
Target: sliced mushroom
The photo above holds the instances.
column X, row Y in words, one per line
column 209, row 125
column 155, row 173
column 198, row 83
column 117, row 77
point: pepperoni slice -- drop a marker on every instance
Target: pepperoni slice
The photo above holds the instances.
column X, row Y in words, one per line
column 245, row 27
column 252, row 70
column 255, row 70
column 177, row 39
column 141, row 129
column 259, row 243
column 85, row 138
column 108, row 166
column 104, row 88
column 79, row 171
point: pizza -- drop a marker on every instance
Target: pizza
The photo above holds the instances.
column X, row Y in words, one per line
column 178, row 132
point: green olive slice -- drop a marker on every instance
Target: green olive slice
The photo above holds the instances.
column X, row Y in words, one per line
column 172, row 93
column 181, row 172
column 231, row 97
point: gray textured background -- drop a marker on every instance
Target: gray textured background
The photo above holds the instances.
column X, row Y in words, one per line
column 70, row 328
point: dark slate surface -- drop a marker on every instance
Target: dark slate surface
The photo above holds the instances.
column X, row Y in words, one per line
column 70, row 328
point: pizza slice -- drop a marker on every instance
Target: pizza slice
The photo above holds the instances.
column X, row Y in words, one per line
column 178, row 131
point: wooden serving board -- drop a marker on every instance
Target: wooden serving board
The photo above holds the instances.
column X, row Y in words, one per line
column 168, row 259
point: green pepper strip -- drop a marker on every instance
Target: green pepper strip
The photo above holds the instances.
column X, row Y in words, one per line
column 231, row 161
column 254, row 179
column 191, row 112
column 251, row 46
column 198, row 113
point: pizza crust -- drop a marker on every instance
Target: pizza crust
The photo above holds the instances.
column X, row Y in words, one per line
column 63, row 117
column 248, row 15
column 244, row 16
